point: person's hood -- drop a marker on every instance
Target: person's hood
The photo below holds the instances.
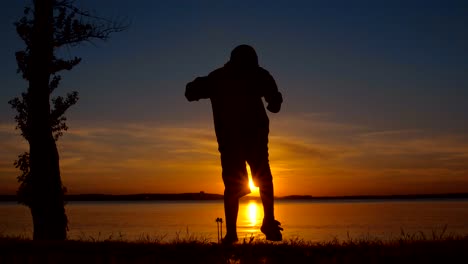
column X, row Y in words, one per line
column 243, row 57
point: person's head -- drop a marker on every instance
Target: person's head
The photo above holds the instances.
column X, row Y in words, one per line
column 244, row 56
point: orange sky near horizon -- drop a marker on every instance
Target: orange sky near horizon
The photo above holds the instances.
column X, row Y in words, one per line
column 375, row 97
column 309, row 155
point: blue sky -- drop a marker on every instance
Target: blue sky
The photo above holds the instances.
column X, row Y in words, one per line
column 385, row 84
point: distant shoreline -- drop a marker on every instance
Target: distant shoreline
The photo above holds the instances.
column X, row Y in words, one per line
column 201, row 196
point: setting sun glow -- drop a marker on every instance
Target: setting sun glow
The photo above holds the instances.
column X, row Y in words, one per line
column 251, row 185
column 253, row 188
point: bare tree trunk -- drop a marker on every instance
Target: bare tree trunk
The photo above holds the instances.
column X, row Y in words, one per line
column 47, row 207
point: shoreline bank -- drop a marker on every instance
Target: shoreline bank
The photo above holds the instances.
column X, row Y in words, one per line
column 452, row 249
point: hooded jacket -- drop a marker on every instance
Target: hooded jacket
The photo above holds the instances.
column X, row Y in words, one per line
column 236, row 91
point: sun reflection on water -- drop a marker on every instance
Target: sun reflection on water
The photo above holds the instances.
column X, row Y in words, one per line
column 252, row 213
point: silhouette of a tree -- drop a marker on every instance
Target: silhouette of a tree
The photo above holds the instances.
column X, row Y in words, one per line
column 46, row 27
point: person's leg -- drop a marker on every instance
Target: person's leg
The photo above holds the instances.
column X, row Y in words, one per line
column 267, row 196
column 261, row 173
column 231, row 209
column 270, row 227
column 235, row 180
column 262, row 177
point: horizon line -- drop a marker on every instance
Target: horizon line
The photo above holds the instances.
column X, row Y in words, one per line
column 201, row 195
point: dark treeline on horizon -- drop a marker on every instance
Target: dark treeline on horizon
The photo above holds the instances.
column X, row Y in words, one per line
column 201, row 196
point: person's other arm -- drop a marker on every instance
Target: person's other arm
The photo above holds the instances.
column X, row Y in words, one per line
column 200, row 88
column 272, row 96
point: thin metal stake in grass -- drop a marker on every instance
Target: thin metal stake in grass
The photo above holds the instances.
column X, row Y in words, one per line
column 219, row 230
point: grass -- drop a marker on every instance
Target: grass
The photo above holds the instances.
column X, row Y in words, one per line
column 408, row 248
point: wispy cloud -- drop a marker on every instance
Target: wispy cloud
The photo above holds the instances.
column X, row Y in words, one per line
column 360, row 159
column 308, row 153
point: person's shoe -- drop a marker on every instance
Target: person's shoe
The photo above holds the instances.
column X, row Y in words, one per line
column 230, row 239
column 272, row 230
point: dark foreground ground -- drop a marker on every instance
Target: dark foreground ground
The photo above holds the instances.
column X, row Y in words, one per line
column 404, row 250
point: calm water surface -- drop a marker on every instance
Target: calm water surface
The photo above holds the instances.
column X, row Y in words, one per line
column 314, row 221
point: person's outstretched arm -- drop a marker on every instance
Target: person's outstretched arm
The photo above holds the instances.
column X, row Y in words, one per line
column 200, row 88
column 272, row 96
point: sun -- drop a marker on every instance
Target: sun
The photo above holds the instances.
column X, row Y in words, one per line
column 251, row 184
column 253, row 188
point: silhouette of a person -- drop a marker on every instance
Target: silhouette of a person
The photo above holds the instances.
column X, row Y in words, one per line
column 242, row 127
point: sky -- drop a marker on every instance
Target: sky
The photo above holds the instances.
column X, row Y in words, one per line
column 375, row 96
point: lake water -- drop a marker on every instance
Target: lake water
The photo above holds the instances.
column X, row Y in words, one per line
column 313, row 221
